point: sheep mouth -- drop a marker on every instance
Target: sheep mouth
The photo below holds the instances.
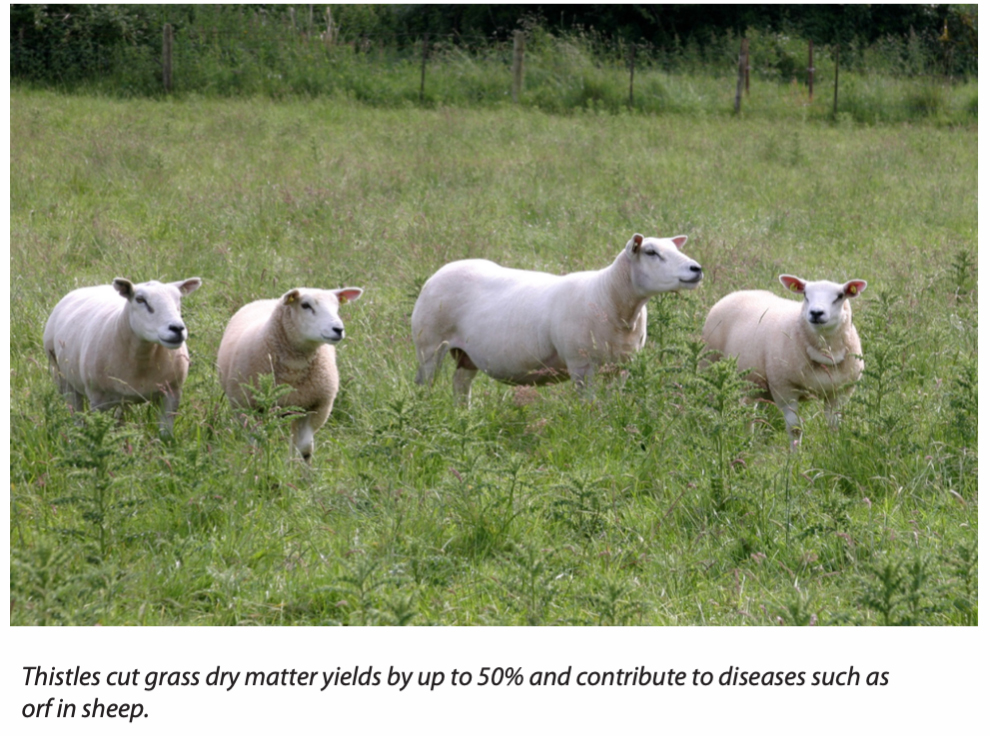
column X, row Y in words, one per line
column 695, row 280
column 173, row 343
column 332, row 338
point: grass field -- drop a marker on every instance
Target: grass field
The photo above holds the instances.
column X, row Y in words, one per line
column 651, row 503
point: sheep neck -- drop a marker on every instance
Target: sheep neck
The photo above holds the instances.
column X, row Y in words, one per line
column 140, row 353
column 827, row 357
column 290, row 359
column 829, row 349
column 616, row 289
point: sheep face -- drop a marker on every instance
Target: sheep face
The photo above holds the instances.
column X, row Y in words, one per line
column 825, row 307
column 314, row 311
column 659, row 265
column 153, row 309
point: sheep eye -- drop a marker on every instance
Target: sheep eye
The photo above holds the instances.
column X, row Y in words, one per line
column 144, row 302
column 307, row 305
column 655, row 253
column 839, row 297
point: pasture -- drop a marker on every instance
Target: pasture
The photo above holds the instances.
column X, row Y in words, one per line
column 651, row 502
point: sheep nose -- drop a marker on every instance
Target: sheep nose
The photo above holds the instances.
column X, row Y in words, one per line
column 338, row 332
column 816, row 315
column 696, row 269
column 178, row 329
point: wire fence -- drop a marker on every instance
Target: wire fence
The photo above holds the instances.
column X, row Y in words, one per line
column 306, row 52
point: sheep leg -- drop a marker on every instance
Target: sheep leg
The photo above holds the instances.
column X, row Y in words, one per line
column 73, row 397
column 170, row 406
column 833, row 408
column 302, row 436
column 463, row 375
column 788, row 405
column 100, row 402
column 581, row 374
column 832, row 415
column 107, row 402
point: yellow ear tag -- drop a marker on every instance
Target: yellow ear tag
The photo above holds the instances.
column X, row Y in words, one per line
column 342, row 299
column 794, row 286
column 852, row 289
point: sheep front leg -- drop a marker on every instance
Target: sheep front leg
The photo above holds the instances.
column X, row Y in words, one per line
column 302, row 436
column 73, row 397
column 833, row 408
column 581, row 374
column 788, row 405
column 106, row 402
column 170, row 406
column 463, row 375
column 462, row 385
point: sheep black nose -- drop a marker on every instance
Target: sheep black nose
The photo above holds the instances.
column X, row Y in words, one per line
column 338, row 332
column 696, row 269
column 178, row 329
column 817, row 314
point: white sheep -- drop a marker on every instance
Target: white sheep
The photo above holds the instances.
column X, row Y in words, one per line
column 528, row 327
column 119, row 344
column 794, row 351
column 291, row 338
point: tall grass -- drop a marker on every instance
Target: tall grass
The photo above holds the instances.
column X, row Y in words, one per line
column 232, row 53
column 661, row 500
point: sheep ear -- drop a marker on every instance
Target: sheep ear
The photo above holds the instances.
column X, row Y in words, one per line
column 188, row 286
column 793, row 283
column 634, row 244
column 679, row 240
column 124, row 287
column 290, row 296
column 348, row 294
column 854, row 287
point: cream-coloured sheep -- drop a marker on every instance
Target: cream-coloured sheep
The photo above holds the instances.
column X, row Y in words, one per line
column 794, row 350
column 528, row 327
column 292, row 338
column 119, row 344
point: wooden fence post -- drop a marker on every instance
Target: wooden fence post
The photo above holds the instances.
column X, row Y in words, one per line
column 811, row 71
column 743, row 51
column 518, row 51
column 167, row 57
column 632, row 73
column 422, row 73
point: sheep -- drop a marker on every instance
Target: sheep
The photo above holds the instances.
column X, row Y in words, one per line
column 121, row 343
column 291, row 337
column 793, row 351
column 533, row 328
